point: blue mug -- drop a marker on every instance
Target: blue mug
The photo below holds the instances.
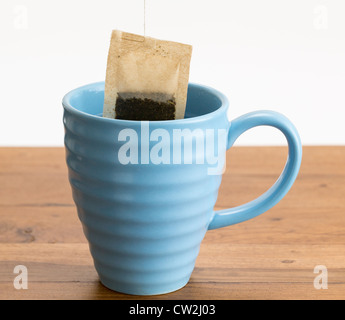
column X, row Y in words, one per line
column 144, row 204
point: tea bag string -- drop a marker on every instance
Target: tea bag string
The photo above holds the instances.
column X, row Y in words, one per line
column 144, row 18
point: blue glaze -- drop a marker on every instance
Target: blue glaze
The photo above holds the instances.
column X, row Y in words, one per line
column 145, row 222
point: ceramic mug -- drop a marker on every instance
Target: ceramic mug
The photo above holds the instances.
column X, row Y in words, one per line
column 144, row 204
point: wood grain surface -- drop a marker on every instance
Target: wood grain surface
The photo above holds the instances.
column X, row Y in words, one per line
column 270, row 257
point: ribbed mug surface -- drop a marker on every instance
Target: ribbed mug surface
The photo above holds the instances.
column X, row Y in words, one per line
column 144, row 222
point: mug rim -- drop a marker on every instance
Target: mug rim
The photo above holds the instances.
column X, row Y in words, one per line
column 66, row 102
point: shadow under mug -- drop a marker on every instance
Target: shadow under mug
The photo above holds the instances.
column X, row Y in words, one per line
column 143, row 215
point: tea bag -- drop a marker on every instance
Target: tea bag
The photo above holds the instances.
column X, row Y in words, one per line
column 147, row 79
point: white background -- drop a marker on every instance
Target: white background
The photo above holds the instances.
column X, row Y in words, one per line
column 284, row 55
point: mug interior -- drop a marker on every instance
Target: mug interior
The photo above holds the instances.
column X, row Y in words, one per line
column 201, row 100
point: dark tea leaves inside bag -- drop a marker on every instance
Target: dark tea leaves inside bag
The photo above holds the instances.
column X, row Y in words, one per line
column 130, row 107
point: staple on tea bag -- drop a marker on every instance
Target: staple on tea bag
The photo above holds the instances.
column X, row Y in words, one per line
column 147, row 79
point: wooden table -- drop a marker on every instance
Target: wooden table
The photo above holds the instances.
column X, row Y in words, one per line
column 270, row 257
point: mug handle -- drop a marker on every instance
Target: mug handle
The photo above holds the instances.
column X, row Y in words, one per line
column 272, row 196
